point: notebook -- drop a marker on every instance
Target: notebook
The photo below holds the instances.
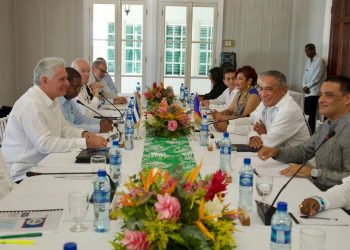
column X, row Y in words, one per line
column 85, row 155
column 45, row 220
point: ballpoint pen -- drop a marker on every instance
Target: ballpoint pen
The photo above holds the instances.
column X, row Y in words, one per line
column 17, row 242
column 256, row 173
column 318, row 218
column 11, row 236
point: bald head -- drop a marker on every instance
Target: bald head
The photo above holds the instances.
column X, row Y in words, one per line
column 83, row 67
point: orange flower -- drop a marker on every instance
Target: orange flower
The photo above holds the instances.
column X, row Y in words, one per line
column 126, row 200
column 151, row 177
column 193, row 174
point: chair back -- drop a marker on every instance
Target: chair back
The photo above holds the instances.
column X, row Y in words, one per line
column 298, row 98
column 3, row 122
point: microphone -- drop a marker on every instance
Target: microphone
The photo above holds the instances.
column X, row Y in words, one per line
column 112, row 184
column 102, row 116
column 101, row 94
column 265, row 211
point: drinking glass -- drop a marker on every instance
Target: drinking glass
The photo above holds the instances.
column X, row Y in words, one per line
column 78, row 204
column 312, row 238
column 264, row 186
column 97, row 162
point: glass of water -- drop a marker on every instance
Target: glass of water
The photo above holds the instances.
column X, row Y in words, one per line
column 78, row 204
column 264, row 186
column 312, row 238
column 97, row 162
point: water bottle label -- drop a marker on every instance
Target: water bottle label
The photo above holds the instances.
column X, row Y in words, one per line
column 101, row 196
column 115, row 160
column 204, row 127
column 246, row 180
column 225, row 150
column 129, row 131
column 280, row 235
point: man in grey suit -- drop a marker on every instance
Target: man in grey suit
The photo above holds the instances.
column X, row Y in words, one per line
column 332, row 158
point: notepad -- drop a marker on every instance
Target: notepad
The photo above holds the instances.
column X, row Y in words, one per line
column 45, row 220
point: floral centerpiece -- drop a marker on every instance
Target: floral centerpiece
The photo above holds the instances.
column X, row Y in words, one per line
column 155, row 94
column 175, row 211
column 168, row 120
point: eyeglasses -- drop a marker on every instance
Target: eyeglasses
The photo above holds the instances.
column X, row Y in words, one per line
column 102, row 70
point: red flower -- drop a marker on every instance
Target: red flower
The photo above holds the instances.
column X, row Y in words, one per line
column 154, row 85
column 218, row 184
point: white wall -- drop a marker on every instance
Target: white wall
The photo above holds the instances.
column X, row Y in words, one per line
column 269, row 34
column 272, row 34
column 7, row 72
column 45, row 28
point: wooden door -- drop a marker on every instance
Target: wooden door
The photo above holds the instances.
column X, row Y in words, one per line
column 339, row 45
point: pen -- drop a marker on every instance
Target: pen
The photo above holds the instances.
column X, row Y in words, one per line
column 18, row 242
column 319, row 218
column 21, row 235
column 256, row 173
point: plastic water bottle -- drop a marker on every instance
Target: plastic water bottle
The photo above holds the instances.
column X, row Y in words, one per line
column 186, row 96
column 115, row 162
column 101, row 198
column 182, row 91
column 246, row 185
column 225, row 153
column 204, row 132
column 70, row 246
column 281, row 228
column 132, row 103
column 129, row 132
column 138, row 88
column 190, row 101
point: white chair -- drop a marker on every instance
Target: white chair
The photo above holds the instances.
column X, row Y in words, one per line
column 298, row 98
column 6, row 183
column 3, row 122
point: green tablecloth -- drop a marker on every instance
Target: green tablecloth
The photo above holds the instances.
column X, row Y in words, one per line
column 167, row 153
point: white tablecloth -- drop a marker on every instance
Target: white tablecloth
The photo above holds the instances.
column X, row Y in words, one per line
column 44, row 192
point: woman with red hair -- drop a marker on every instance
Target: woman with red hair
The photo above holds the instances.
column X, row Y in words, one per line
column 244, row 102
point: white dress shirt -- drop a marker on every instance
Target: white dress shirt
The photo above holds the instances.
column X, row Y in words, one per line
column 314, row 75
column 84, row 97
column 284, row 122
column 223, row 101
column 338, row 196
column 73, row 114
column 36, row 127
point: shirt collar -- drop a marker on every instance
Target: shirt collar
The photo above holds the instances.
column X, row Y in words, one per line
column 340, row 120
column 280, row 102
column 47, row 100
column 62, row 100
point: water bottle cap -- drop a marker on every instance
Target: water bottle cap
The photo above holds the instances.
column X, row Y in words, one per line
column 182, row 84
column 282, row 206
column 115, row 143
column 226, row 135
column 101, row 173
column 70, row 246
column 132, row 97
column 247, row 161
column 204, row 116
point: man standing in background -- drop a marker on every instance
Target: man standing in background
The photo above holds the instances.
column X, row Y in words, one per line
column 314, row 75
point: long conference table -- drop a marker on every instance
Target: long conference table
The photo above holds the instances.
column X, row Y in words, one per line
column 51, row 192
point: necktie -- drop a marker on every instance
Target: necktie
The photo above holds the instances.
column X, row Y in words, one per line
column 89, row 92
